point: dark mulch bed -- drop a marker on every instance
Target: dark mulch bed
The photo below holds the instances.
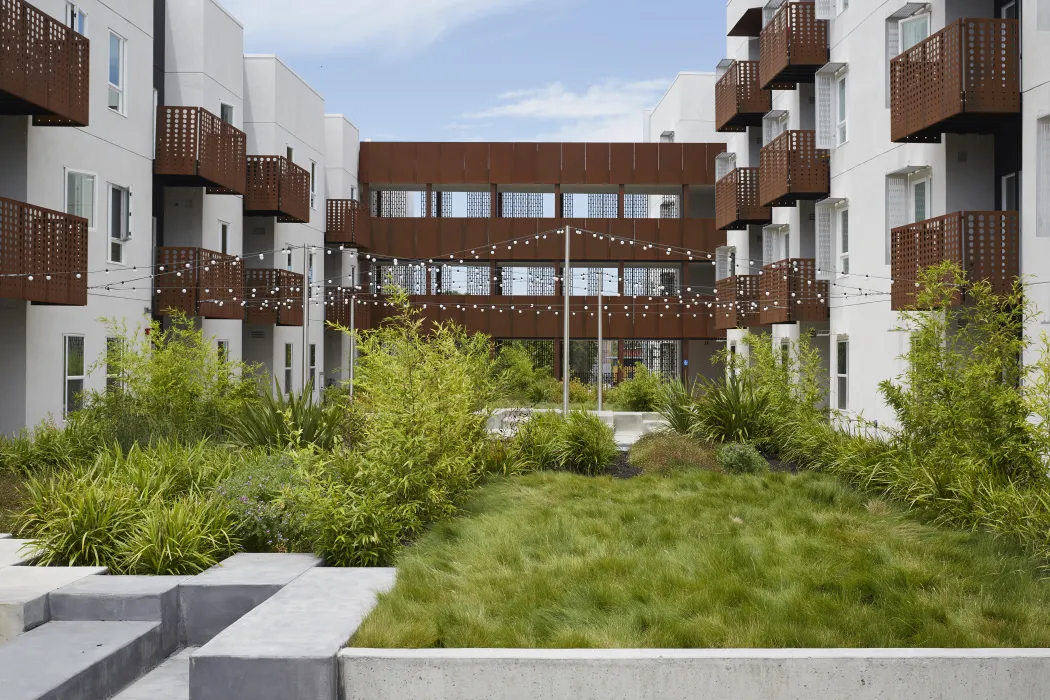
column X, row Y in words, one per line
column 622, row 469
column 779, row 466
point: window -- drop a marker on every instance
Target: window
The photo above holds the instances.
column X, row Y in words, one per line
column 291, row 154
column 288, row 259
column 224, row 237
column 73, row 374
column 1008, row 10
column 785, row 352
column 288, row 368
column 313, row 185
column 920, row 200
column 310, row 269
column 773, row 125
column 80, row 196
column 119, row 222
column 842, row 374
column 223, row 349
column 844, row 242
column 843, row 6
column 914, row 30
column 313, row 364
column 117, row 73
column 76, row 18
column 841, row 131
column 114, row 351
column 226, row 113
column 1010, row 190
column 1042, row 176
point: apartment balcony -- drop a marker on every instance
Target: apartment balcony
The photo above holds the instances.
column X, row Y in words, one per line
column 984, row 244
column 740, row 101
column 273, row 297
column 347, row 223
column 44, row 67
column 792, row 168
column 537, row 317
column 737, row 302
column 337, row 302
column 198, row 282
column 737, row 201
column 962, row 80
column 277, row 187
column 195, row 148
column 791, row 293
column 793, row 46
column 43, row 255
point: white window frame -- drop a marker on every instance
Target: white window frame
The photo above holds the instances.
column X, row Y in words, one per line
column 774, row 124
column 66, row 376
column 289, row 151
column 923, row 177
column 223, row 104
column 224, row 237
column 1042, row 177
column 1016, row 177
column 842, row 374
column 830, row 119
column 313, row 184
column 842, row 240
column 914, row 19
column 289, row 362
column 1003, row 9
column 313, row 365
column 893, row 34
column 75, row 14
column 122, row 89
column 125, row 235
column 222, row 348
column 94, row 196
column 841, row 99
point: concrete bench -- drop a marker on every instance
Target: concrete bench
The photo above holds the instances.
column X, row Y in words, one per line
column 213, row 600
column 24, row 592
column 288, row 646
column 15, row 552
column 122, row 599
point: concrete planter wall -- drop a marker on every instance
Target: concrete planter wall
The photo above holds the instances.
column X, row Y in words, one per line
column 796, row 674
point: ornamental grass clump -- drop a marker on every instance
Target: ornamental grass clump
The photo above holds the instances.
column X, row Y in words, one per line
column 585, row 444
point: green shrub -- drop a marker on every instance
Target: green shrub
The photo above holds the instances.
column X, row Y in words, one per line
column 535, row 445
column 278, row 422
column 641, row 393
column 586, row 445
column 180, row 537
column 522, row 379
column 49, row 446
column 676, row 406
column 663, row 452
column 741, row 458
column 172, row 385
column 256, row 496
column 580, row 393
column 730, row 409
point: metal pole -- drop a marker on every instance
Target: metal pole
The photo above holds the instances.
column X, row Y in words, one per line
column 601, row 365
column 353, row 340
column 567, row 288
column 306, row 313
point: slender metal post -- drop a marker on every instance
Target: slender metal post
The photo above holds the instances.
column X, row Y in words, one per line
column 306, row 314
column 601, row 364
column 567, row 288
column 353, row 340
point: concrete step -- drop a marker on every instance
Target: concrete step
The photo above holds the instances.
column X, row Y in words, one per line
column 5, row 535
column 15, row 552
column 213, row 600
column 122, row 599
column 169, row 681
column 24, row 592
column 287, row 647
column 78, row 660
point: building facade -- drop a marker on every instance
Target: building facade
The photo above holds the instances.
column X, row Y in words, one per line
column 863, row 143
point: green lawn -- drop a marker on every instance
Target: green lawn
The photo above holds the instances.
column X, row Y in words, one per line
column 701, row 559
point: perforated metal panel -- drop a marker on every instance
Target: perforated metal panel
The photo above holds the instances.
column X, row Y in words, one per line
column 825, row 109
column 43, row 255
column 790, row 293
column 793, row 45
column 277, row 187
column 825, row 251
column 274, row 297
column 793, row 168
column 959, row 80
column 737, row 304
column 737, row 201
column 896, row 207
column 196, row 148
column 198, row 282
column 740, row 101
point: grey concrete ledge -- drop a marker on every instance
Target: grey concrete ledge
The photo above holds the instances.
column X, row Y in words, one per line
column 672, row 674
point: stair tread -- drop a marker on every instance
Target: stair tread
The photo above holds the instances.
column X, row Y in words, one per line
column 169, row 681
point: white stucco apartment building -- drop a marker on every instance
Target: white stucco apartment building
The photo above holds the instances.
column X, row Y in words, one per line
column 862, row 122
column 130, row 164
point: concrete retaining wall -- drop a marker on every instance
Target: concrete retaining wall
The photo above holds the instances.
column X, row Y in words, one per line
column 834, row 674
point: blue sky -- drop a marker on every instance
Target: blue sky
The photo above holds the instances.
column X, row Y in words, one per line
column 500, row 70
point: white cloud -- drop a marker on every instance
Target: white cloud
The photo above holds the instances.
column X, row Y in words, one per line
column 609, row 111
column 401, row 26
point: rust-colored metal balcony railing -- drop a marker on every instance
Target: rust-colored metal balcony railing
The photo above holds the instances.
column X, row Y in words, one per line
column 740, row 101
column 273, row 297
column 198, row 282
column 44, row 67
column 736, row 201
column 961, row 80
column 791, row 293
column 791, row 167
column 793, row 46
column 347, row 223
column 277, row 187
column 43, row 255
column 985, row 244
column 337, row 308
column 195, row 148
column 736, row 304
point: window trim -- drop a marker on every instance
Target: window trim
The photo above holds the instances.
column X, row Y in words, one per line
column 73, row 12
column 842, row 377
column 843, row 256
column 313, row 184
column 110, row 240
column 233, row 112
column 123, row 68
column 842, row 108
column 912, row 19
column 289, row 363
column 93, row 220
column 224, row 237
column 66, row 376
column 1016, row 176
column 913, row 182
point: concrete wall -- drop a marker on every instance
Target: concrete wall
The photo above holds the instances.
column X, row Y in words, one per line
column 792, row 674
column 687, row 109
